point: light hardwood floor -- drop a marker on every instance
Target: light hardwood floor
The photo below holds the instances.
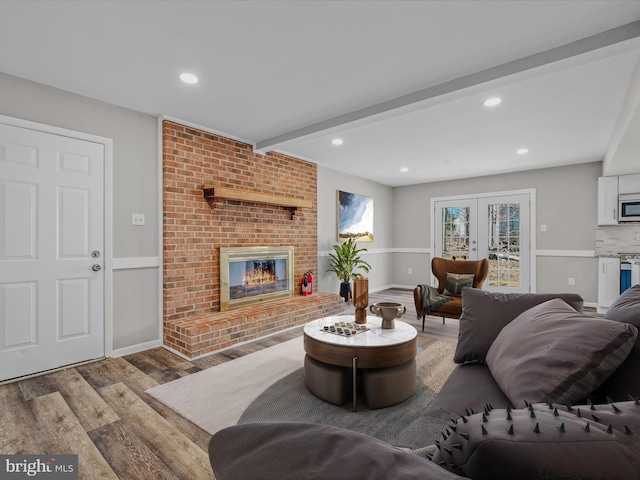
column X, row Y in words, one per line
column 100, row 411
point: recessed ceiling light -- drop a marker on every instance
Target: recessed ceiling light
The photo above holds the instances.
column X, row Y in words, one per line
column 337, row 141
column 188, row 78
column 522, row 151
column 404, row 169
column 492, row 102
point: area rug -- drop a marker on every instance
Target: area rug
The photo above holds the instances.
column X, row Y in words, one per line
column 268, row 386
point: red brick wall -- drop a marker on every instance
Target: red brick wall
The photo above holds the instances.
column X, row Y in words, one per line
column 194, row 229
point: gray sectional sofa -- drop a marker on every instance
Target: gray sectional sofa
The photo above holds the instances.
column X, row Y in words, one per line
column 542, row 391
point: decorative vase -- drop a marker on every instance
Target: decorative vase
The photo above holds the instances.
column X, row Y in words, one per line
column 345, row 291
column 388, row 311
column 361, row 298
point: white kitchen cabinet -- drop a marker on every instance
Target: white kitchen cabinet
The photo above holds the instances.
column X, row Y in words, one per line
column 608, row 282
column 608, row 200
column 628, row 184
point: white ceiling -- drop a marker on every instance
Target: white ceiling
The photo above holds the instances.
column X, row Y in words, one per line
column 402, row 83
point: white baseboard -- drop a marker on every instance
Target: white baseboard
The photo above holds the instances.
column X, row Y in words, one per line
column 391, row 285
column 175, row 352
column 140, row 347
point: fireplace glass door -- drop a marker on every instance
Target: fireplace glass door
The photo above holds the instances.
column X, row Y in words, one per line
column 251, row 275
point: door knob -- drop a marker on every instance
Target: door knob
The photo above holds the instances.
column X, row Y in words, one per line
column 96, row 267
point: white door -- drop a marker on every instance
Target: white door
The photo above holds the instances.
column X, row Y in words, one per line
column 496, row 228
column 51, row 251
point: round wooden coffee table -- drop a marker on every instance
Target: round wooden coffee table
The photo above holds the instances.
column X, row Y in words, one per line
column 375, row 348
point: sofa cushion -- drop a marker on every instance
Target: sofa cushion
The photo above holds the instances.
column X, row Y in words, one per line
column 294, row 451
column 545, row 441
column 451, row 309
column 553, row 352
column 626, row 379
column 479, row 387
column 456, row 282
column 484, row 314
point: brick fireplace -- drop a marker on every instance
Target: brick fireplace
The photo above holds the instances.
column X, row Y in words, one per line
column 196, row 228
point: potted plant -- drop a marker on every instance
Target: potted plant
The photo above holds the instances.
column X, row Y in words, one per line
column 344, row 261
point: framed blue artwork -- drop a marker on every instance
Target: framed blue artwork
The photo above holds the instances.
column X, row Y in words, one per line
column 355, row 217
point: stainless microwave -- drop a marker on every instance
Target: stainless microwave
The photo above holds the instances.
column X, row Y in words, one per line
column 629, row 207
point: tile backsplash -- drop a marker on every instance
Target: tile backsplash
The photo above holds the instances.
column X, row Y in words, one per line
column 611, row 240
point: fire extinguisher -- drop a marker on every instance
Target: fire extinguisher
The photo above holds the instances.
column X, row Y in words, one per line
column 307, row 283
column 310, row 281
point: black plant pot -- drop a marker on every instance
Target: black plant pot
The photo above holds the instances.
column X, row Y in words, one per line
column 345, row 291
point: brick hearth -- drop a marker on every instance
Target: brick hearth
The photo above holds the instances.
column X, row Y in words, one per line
column 199, row 335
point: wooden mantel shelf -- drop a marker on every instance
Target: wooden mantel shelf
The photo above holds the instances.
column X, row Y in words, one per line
column 211, row 191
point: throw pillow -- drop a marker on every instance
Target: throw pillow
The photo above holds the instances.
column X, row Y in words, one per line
column 484, row 314
column 551, row 352
column 626, row 307
column 294, row 451
column 456, row 282
column 544, row 441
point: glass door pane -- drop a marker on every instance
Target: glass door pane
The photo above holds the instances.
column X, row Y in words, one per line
column 503, row 238
column 504, row 244
column 455, row 232
column 455, row 229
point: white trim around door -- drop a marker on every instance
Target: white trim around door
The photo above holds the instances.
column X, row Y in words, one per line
column 107, row 255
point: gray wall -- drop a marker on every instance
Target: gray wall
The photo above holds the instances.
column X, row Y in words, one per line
column 566, row 203
column 379, row 252
column 135, row 190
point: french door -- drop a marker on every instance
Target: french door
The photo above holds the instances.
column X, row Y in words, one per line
column 495, row 227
